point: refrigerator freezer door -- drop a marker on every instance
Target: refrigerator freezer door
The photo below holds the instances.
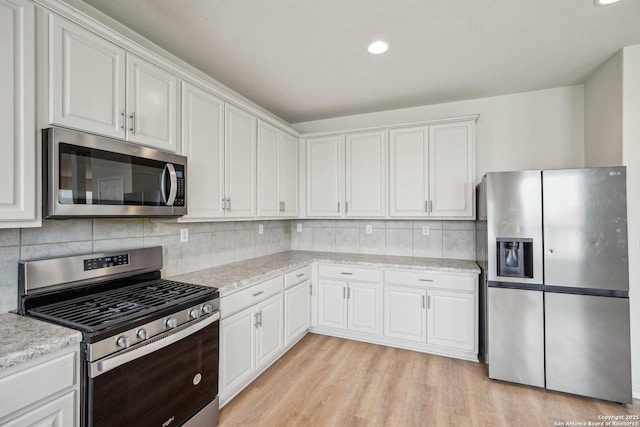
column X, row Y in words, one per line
column 514, row 210
column 516, row 336
column 588, row 346
column 585, row 228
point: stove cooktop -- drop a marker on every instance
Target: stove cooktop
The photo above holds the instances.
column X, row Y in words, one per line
column 97, row 312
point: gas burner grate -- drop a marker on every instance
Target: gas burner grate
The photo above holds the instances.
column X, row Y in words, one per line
column 99, row 311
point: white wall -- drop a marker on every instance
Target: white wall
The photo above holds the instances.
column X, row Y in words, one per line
column 631, row 159
column 603, row 115
column 532, row 130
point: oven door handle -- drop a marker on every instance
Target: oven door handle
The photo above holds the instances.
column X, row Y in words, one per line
column 173, row 189
column 105, row 365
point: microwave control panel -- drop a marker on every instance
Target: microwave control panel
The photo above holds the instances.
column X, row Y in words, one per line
column 180, row 175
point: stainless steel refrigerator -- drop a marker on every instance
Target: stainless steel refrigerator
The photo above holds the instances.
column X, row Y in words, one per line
column 557, row 306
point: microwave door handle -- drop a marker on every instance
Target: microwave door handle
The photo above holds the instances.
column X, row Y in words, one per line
column 173, row 188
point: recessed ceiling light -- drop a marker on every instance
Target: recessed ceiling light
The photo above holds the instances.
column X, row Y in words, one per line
column 605, row 2
column 378, row 47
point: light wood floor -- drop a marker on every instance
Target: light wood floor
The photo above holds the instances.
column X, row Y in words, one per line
column 326, row 381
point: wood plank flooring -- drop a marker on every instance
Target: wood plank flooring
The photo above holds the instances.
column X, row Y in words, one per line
column 326, row 381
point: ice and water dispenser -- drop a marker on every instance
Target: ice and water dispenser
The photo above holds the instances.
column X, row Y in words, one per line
column 515, row 257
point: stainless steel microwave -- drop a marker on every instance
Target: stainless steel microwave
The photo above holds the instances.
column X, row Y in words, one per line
column 89, row 176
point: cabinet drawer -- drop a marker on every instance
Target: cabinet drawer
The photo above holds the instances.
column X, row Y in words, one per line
column 348, row 273
column 33, row 384
column 250, row 296
column 297, row 276
column 431, row 280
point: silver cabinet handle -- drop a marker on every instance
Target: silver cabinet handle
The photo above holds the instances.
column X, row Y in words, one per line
column 224, row 203
column 426, row 280
column 348, row 293
column 429, row 302
column 338, row 207
column 255, row 294
column 229, row 204
column 300, row 275
column 346, row 273
column 430, row 206
column 310, row 289
column 123, row 121
column 132, row 116
column 344, row 293
column 422, row 301
column 255, row 323
column 284, row 206
column 260, row 318
column 346, row 207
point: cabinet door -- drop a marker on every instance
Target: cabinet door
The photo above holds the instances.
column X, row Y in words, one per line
column 324, row 176
column 366, row 174
column 237, row 349
column 405, row 313
column 269, row 338
column 240, row 165
column 18, row 191
column 152, row 102
column 364, row 307
column 296, row 311
column 87, row 80
column 203, row 144
column 57, row 413
column 451, row 319
column 289, row 174
column 332, row 307
column 451, row 169
column 268, row 170
column 409, row 175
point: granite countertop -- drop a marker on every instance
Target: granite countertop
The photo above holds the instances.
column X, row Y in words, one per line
column 231, row 278
column 24, row 338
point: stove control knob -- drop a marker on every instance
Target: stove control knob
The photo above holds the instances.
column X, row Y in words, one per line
column 194, row 313
column 207, row 309
column 123, row 341
column 171, row 322
column 143, row 334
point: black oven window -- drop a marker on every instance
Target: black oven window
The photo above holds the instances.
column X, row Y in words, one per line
column 89, row 176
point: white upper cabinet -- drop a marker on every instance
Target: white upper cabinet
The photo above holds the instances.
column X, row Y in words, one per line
column 240, row 163
column 366, row 174
column 289, row 176
column 18, row 192
column 87, row 76
column 203, row 144
column 409, row 177
column 431, row 171
column 152, row 105
column 277, row 172
column 451, row 158
column 98, row 87
column 325, row 176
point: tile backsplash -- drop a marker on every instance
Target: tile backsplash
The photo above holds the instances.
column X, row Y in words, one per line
column 212, row 244
column 209, row 245
column 441, row 239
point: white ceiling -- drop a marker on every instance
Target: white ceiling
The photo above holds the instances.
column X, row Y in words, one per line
column 306, row 59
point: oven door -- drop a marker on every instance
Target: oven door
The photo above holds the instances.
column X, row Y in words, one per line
column 163, row 383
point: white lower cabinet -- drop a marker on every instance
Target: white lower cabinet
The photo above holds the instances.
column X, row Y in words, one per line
column 258, row 324
column 451, row 319
column 426, row 311
column 297, row 301
column 348, row 305
column 249, row 340
column 42, row 392
column 405, row 313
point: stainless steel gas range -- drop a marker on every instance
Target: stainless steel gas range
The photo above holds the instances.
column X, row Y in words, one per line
column 149, row 355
